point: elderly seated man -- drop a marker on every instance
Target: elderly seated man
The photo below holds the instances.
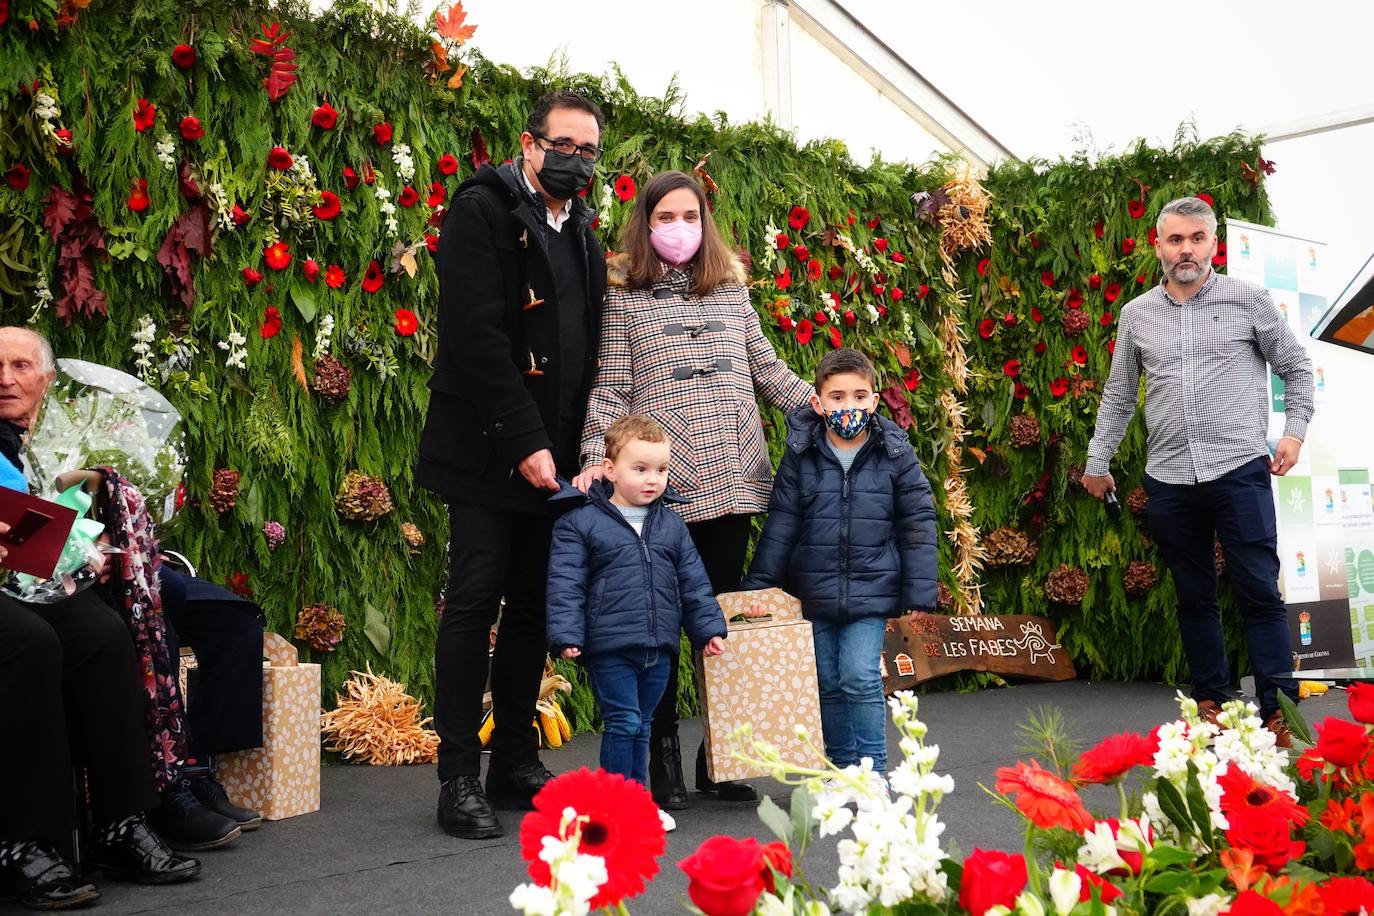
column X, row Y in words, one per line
column 71, row 688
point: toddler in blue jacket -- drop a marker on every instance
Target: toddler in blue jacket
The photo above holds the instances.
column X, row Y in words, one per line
column 851, row 533
column 624, row 580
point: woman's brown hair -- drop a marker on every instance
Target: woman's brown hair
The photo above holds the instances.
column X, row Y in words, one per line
column 712, row 265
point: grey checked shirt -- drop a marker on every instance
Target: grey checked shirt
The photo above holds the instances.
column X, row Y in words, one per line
column 1206, row 400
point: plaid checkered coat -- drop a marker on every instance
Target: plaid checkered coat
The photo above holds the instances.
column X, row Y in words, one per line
column 695, row 364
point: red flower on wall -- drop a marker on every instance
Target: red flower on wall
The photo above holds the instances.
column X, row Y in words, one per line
column 800, row 253
column 986, row 328
column 138, row 197
column 279, row 158
column 1040, row 347
column 912, row 380
column 983, row 267
column 1075, row 299
column 898, row 258
column 145, row 113
column 880, row 245
column 350, row 178
column 798, row 217
column 782, row 241
column 184, row 56
column 448, row 164
column 277, row 255
column 239, row 216
column 328, row 207
column 1136, row 208
column 835, row 338
column 1009, row 320
column 625, row 188
column 382, row 132
column 850, row 319
column 251, row 277
column 1036, row 315
column 1219, row 259
column 1080, row 355
column 1095, row 281
column 1127, row 245
column 785, row 323
column 432, row 242
column 334, row 277
column 64, row 142
column 1059, row 387
column 1099, row 228
column 836, row 271
column 1047, row 278
column 896, row 293
column 1111, row 346
column 784, row 279
column 325, row 117
column 271, row 323
column 804, row 331
column 373, row 278
column 1105, row 320
column 922, row 291
column 873, row 223
column 18, row 176
column 191, row 129
column 1020, row 391
column 1207, row 198
column 821, row 317
column 1152, row 236
column 437, row 193
column 408, row 197
column 406, row 322
column 1112, row 292
column 1011, row 368
column 878, row 290
column 312, row 269
column 813, row 270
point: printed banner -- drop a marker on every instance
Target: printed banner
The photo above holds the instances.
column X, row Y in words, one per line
column 1357, row 519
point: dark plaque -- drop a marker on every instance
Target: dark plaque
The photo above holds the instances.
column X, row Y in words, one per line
column 919, row 647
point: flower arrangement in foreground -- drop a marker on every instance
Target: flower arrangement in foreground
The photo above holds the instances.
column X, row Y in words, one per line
column 1226, row 822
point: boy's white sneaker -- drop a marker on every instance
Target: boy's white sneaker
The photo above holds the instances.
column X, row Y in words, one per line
column 666, row 819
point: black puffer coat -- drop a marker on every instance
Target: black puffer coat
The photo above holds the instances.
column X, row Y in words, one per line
column 611, row 589
column 851, row 545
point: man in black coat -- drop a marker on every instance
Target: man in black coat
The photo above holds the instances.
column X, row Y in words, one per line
column 521, row 281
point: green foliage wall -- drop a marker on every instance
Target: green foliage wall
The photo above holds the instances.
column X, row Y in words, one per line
column 293, row 449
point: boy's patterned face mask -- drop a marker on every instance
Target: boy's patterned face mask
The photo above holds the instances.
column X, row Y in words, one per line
column 848, row 422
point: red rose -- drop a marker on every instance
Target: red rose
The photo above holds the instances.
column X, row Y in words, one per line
column 813, row 270
column 1269, row 836
column 18, row 176
column 279, row 158
column 1206, row 199
column 878, row 290
column 851, row 219
column 64, row 142
column 1106, row 891
column 373, row 278
column 328, row 207
column 1009, row 320
column 406, row 322
column 835, row 339
column 873, row 223
column 251, row 277
column 145, row 113
column 1253, row 903
column 448, row 164
column 986, row 327
column 836, row 272
column 1153, row 235
column 800, row 253
column 882, row 311
column 312, row 269
column 804, row 331
column 897, row 294
column 138, row 197
column 1040, row 347
column 1075, row 299
column 191, row 129
column 912, row 380
column 1361, row 699
column 922, row 291
column 1059, row 387
column 184, row 56
column 1095, row 281
column 1099, row 228
column 408, row 197
column 382, row 132
column 898, row 258
column 271, row 323
column 785, row 323
column 1127, row 245
column 1047, row 277
column 239, row 216
column 850, row 319
column 1105, row 320
column 1112, row 292
column 880, row 245
column 334, row 277
column 1036, row 314
column 983, row 267
column 1111, row 346
column 821, row 317
column 798, row 217
column 784, row 279
column 725, row 875
column 776, row 857
column 1136, row 208
column 1341, row 743
column 277, row 255
column 991, row 878
column 432, row 242
column 1011, row 368
column 1020, row 391
column 437, row 193
column 625, row 188
column 783, row 241
column 325, row 117
column 350, row 178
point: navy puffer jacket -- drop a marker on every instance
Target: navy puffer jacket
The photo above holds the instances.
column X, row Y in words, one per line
column 611, row 589
column 851, row 545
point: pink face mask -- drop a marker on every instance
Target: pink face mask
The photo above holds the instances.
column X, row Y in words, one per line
column 676, row 242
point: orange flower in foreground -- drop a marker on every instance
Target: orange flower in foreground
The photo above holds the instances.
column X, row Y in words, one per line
column 1340, row 816
column 1045, row 799
column 1241, row 868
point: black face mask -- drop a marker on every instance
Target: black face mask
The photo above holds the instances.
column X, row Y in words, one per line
column 562, row 176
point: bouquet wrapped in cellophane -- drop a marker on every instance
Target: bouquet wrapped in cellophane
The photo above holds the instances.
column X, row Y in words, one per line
column 96, row 416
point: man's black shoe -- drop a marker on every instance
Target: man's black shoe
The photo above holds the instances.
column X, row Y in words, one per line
column 43, row 880
column 514, row 788
column 140, row 855
column 186, row 824
column 728, row 790
column 464, row 810
column 211, row 794
column 665, row 774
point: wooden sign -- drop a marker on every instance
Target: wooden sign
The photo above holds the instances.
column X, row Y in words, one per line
column 920, row 647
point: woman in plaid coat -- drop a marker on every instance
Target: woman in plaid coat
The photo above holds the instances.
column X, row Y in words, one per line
column 681, row 342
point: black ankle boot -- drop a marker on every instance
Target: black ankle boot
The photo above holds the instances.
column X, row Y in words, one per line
column 727, row 790
column 665, row 773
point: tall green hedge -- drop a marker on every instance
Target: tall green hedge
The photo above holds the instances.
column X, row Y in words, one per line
column 293, row 449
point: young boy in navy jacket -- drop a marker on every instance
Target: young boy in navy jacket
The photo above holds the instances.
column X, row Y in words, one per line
column 624, row 580
column 851, row 533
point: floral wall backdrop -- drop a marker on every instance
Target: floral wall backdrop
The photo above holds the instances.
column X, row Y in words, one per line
column 239, row 203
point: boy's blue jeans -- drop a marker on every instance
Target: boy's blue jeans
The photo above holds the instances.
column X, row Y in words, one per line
column 853, row 711
column 627, row 686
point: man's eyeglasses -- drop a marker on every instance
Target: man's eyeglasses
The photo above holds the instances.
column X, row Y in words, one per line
column 565, row 147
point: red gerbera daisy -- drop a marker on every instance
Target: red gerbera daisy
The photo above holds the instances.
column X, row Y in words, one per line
column 1011, row 368
column 1105, row 320
column 821, row 318
column 18, row 176
column 1020, row 392
column 622, row 827
column 1075, row 299
column 325, row 117
column 145, row 113
column 1136, row 208
column 1059, row 387
column 785, row 323
column 271, row 323
column 798, row 217
column 801, row 253
column 1240, row 790
column 279, row 158
column 334, row 276
column 813, row 270
column 1117, row 755
column 448, row 164
column 277, row 255
column 328, row 207
column 1112, row 292
column 191, row 129
column 1152, row 236
column 1127, row 245
column 986, row 328
column 922, row 291
column 1349, row 896
column 784, row 279
column 373, row 278
column 437, row 193
column 382, row 132
column 406, row 322
column 1080, row 355
column 408, row 197
column 1047, row 277
column 804, row 331
column 625, row 188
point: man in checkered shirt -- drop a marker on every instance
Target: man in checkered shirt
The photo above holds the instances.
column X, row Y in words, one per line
column 1203, row 342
